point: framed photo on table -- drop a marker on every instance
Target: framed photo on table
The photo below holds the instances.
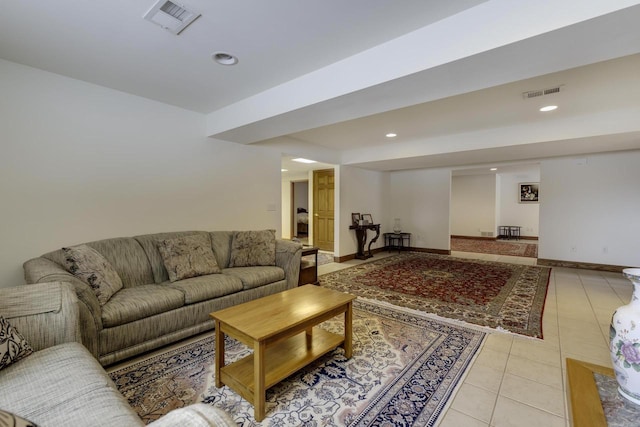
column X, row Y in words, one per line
column 367, row 219
column 355, row 218
column 529, row 192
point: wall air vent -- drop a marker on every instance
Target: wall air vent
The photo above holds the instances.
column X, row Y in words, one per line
column 171, row 16
column 541, row 92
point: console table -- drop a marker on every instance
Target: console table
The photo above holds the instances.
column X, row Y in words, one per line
column 361, row 235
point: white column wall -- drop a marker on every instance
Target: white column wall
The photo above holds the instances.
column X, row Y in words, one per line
column 421, row 199
column 473, row 204
column 80, row 162
column 361, row 191
column 589, row 209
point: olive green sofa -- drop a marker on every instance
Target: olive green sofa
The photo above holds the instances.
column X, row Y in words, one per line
column 150, row 311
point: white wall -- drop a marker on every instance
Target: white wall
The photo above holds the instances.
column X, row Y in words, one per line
column 421, row 199
column 510, row 211
column 483, row 202
column 81, row 162
column 473, row 204
column 590, row 204
column 361, row 191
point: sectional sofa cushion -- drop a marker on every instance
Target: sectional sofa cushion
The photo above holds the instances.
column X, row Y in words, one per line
column 7, row 419
column 149, row 245
column 13, row 346
column 188, row 256
column 253, row 248
column 64, row 386
column 253, row 277
column 204, row 288
column 132, row 304
column 92, row 268
column 221, row 244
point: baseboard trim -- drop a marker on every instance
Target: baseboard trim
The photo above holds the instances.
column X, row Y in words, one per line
column 344, row 258
column 582, row 265
column 472, row 237
column 432, row 251
column 376, row 250
column 491, row 238
column 353, row 256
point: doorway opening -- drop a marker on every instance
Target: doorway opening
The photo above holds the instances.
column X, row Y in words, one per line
column 300, row 210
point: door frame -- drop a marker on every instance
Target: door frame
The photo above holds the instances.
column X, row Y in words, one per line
column 314, row 203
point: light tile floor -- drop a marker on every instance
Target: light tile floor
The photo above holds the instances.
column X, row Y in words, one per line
column 519, row 381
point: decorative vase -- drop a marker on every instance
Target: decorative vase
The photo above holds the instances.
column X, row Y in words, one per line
column 624, row 341
column 396, row 225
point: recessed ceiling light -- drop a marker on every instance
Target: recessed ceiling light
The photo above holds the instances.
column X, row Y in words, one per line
column 493, row 169
column 549, row 108
column 301, row 160
column 224, row 58
column 391, row 135
column 284, row 170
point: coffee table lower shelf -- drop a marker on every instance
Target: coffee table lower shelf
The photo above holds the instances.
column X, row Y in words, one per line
column 283, row 359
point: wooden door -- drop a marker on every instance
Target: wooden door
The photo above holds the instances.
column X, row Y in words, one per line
column 323, row 209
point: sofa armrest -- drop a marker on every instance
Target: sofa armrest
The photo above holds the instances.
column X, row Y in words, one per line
column 39, row 270
column 45, row 314
column 196, row 415
column 288, row 256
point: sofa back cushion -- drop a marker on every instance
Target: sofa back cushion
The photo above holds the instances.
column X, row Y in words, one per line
column 13, row 346
column 91, row 267
column 149, row 243
column 188, row 256
column 253, row 248
column 221, row 244
column 124, row 254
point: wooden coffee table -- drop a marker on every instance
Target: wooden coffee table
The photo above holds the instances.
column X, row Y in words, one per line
column 280, row 329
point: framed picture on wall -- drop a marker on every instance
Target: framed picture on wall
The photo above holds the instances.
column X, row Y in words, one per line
column 355, row 218
column 529, row 192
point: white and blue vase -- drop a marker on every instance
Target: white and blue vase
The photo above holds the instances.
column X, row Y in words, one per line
column 625, row 341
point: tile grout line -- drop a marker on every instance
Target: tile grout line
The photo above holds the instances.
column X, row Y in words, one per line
column 504, row 371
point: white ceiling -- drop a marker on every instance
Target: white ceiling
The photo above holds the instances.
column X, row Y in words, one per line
column 326, row 80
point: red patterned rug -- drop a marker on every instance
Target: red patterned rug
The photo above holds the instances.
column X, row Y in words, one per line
column 497, row 247
column 492, row 294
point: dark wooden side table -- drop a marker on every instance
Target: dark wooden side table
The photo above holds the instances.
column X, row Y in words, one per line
column 309, row 266
column 509, row 232
column 397, row 240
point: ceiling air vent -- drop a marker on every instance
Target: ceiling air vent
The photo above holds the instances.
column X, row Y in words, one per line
column 541, row 92
column 171, row 16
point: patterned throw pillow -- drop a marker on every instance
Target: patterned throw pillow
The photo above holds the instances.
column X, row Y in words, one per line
column 251, row 248
column 7, row 419
column 13, row 346
column 188, row 256
column 92, row 268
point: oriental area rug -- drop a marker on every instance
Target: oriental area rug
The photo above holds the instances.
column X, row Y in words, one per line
column 325, row 258
column 497, row 247
column 502, row 296
column 404, row 369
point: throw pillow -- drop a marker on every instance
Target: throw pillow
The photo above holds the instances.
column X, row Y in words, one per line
column 188, row 256
column 13, row 346
column 7, row 419
column 252, row 248
column 92, row 268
